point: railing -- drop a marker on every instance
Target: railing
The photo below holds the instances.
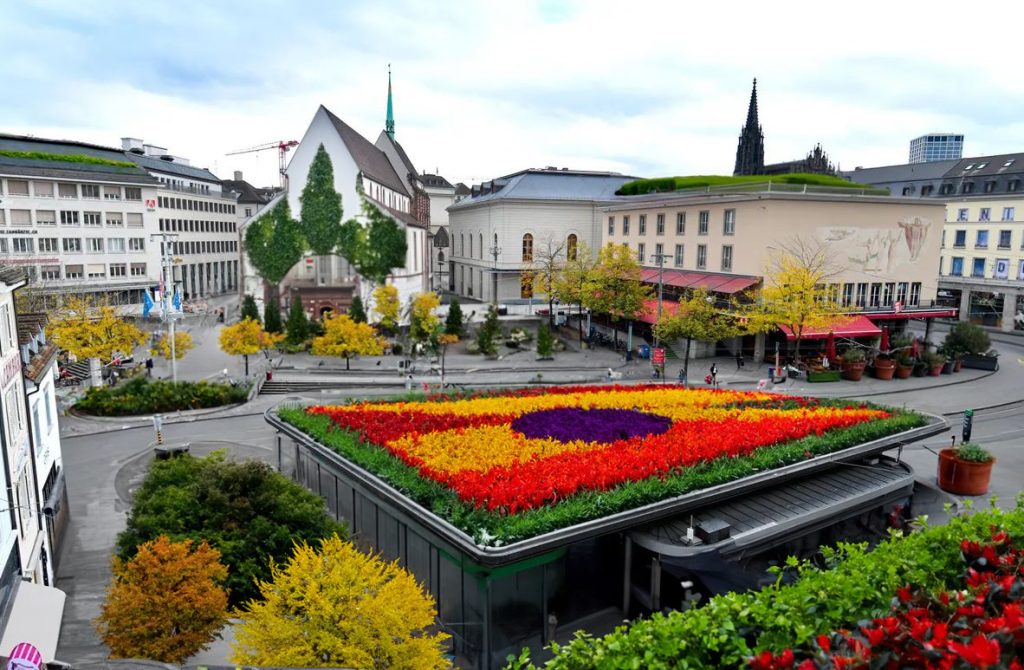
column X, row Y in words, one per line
column 192, row 190
column 772, row 186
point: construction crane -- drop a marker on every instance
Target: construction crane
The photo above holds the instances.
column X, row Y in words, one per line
column 282, row 146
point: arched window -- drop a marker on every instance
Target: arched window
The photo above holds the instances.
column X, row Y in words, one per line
column 470, row 245
column 481, row 245
column 462, row 244
column 570, row 247
column 527, row 248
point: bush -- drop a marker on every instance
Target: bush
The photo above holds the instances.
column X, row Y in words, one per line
column 545, row 341
column 855, row 355
column 149, row 396
column 489, row 332
column 249, row 310
column 453, row 322
column 297, row 325
column 272, row 317
column 966, row 338
column 734, row 626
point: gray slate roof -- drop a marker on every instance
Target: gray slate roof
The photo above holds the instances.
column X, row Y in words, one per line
column 31, row 167
column 170, row 167
column 900, row 173
column 437, row 181
column 247, row 192
column 988, row 166
column 563, row 185
column 367, row 157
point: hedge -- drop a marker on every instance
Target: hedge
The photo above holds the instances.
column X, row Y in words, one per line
column 65, row 158
column 669, row 184
column 725, row 633
column 146, row 396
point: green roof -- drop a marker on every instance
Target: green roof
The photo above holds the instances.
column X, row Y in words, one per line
column 723, row 182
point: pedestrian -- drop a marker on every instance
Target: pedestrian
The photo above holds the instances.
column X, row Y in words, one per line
column 714, row 374
column 739, row 360
column 149, row 366
column 682, row 376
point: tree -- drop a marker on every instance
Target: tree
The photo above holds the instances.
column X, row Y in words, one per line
column 249, row 309
column 546, row 270
column 444, row 340
column 246, row 338
column 545, row 341
column 386, row 307
column 183, row 344
column 246, row 510
column 615, row 288
column 453, row 322
column 93, row 332
column 423, row 321
column 574, row 280
column 298, row 323
column 272, row 316
column 796, row 292
column 356, row 310
column 489, row 330
column 274, row 244
column 346, row 338
column 376, row 246
column 335, row 606
column 166, row 603
column 321, row 212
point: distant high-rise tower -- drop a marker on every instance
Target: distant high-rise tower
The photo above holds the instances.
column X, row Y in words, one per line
column 750, row 150
column 936, row 147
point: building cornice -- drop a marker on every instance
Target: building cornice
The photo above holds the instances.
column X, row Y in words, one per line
column 668, row 200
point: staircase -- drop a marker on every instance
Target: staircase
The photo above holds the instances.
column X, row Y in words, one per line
column 284, row 387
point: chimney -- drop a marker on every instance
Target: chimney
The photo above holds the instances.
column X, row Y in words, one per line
column 130, row 143
column 154, row 150
column 238, row 175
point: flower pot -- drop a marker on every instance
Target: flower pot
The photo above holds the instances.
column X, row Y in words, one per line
column 935, row 370
column 957, row 364
column 904, row 371
column 979, row 362
column 965, row 478
column 885, row 368
column 853, row 371
column 823, row 375
column 920, row 370
column 947, row 368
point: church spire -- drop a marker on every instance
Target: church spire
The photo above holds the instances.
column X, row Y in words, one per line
column 389, row 122
column 750, row 149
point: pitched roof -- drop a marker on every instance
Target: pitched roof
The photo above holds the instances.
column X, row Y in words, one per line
column 30, row 326
column 170, row 167
column 462, row 189
column 549, row 184
column 368, row 158
column 987, row 166
column 899, row 173
column 247, row 192
column 437, row 181
column 58, row 169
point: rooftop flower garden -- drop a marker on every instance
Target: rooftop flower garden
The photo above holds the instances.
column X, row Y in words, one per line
column 669, row 184
column 510, row 465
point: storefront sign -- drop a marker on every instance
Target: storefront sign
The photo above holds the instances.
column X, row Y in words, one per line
column 11, row 368
column 1002, row 270
column 151, row 204
column 19, row 231
column 31, row 261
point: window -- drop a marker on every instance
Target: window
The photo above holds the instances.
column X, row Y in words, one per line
column 888, row 291
column 96, row 271
column 91, row 191
column 527, row 247
column 625, row 225
column 659, row 253
column 1004, row 239
column 847, row 295
column 611, row 225
column 570, row 247
column 248, row 211
column 956, row 267
column 94, row 245
column 640, row 248
column 68, row 191
column 132, row 193
column 111, row 192
column 985, row 214
column 726, row 258
column 134, row 220
column 702, row 222
column 49, row 272
column 72, row 245
column 901, row 292
column 680, row 223
column 927, row 190
column 480, row 238
column 1008, row 213
column 990, row 186
column 91, row 218
column 981, row 240
column 21, row 217
column 659, row 224
column 978, row 268
column 967, row 187
column 115, row 245
column 961, row 214
column 643, row 224
column 17, row 187
column 48, row 245
column 679, row 256
column 73, row 271
column 862, row 294
column 2, row 220
column 22, row 245
column 69, row 218
column 137, row 269
column 43, row 189
column 876, row 295
column 462, row 244
column 702, row 256
column 729, row 223
column 946, row 189
column 46, row 217
column 471, row 245
column 915, row 294
column 960, row 239
column 118, row 270
column 3, row 246
column 1013, row 185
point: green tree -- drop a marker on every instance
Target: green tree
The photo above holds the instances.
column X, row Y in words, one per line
column 245, row 510
column 272, row 316
column 274, row 244
column 249, row 309
column 453, row 322
column 545, row 269
column 545, row 341
column 574, row 281
column 321, row 212
column 489, row 331
column 356, row 310
column 615, row 288
column 166, row 603
column 298, row 323
column 376, row 246
column 336, row 606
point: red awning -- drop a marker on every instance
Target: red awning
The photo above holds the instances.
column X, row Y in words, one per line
column 947, row 313
column 856, row 326
column 649, row 313
column 718, row 283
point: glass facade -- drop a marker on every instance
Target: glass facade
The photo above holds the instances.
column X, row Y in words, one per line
column 936, row 147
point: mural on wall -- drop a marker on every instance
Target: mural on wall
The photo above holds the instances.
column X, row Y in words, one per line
column 880, row 250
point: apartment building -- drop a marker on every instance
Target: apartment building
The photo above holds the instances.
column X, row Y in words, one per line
column 77, row 217
column 251, row 201
column 193, row 205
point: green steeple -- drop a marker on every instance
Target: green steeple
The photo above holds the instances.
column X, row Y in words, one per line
column 389, row 123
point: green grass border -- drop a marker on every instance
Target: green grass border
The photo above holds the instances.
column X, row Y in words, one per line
column 669, row 184
column 65, row 158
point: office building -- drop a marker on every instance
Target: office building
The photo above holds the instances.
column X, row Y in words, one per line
column 936, row 147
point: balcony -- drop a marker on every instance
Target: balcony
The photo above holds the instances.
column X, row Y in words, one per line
column 192, row 190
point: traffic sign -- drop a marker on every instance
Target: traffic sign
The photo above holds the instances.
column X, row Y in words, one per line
column 658, row 356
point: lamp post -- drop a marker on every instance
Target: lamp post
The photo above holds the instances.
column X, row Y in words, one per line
column 167, row 279
column 495, row 251
column 660, row 257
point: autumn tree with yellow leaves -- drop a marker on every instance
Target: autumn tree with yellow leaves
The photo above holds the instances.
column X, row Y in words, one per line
column 423, row 321
column 166, row 603
column 183, row 343
column 91, row 331
column 335, row 606
column 246, row 338
column 346, row 338
column 386, row 307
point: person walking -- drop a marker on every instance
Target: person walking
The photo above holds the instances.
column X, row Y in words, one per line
column 149, row 366
column 714, row 375
column 739, row 360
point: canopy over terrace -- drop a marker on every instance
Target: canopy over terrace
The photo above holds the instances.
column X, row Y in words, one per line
column 855, row 326
column 710, row 281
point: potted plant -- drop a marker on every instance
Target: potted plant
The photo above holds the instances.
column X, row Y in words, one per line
column 947, row 367
column 884, row 366
column 853, row 363
column 904, row 366
column 933, row 361
column 970, row 344
column 965, row 470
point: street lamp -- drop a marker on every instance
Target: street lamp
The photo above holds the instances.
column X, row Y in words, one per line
column 495, row 251
column 660, row 259
column 167, row 279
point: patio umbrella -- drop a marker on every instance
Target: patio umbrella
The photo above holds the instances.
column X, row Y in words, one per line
column 914, row 348
column 830, row 346
column 884, row 346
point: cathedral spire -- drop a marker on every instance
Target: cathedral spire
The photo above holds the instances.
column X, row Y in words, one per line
column 389, row 123
column 752, row 108
column 750, row 149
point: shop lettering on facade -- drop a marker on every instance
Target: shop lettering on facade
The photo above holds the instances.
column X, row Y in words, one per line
column 12, row 366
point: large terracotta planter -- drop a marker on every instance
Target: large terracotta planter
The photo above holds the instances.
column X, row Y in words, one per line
column 885, row 368
column 965, row 478
column 853, row 371
column 904, row 371
column 935, row 370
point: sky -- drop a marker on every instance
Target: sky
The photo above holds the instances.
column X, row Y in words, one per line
column 483, row 89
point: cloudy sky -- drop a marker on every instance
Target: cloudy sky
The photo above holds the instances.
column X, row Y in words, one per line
column 485, row 88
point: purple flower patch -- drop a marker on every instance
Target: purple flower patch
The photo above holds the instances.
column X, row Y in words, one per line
column 566, row 424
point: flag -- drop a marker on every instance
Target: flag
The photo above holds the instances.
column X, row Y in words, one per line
column 176, row 300
column 147, row 302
